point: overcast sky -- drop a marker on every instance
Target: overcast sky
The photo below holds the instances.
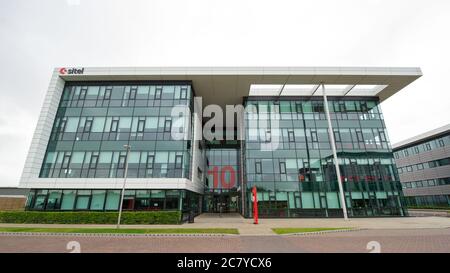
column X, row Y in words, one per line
column 37, row 36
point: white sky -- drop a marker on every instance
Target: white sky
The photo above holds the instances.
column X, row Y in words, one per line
column 37, row 36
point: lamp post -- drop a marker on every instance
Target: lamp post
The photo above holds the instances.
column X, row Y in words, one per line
column 127, row 147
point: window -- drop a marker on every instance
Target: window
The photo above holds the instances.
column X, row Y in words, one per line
column 416, row 149
column 314, row 137
column 258, row 168
column 68, row 199
column 420, row 166
column 107, row 93
column 183, row 94
column 359, row 136
column 98, row 124
column 62, row 125
column 364, row 106
column 66, row 161
column 409, row 169
column 341, row 106
column 291, row 136
column 88, row 125
column 427, row 146
column 178, row 161
column 268, row 136
column 382, row 136
column 98, row 199
column 167, row 125
column 150, row 160
column 71, row 125
column 441, row 142
column 140, row 126
column 53, row 200
column 443, row 162
column 132, row 95
column 94, row 161
column 283, row 167
column 317, row 106
column 122, row 161
column 298, row 107
column 396, row 155
column 112, row 200
column 337, row 136
column 114, row 126
column 82, row 201
column 40, row 201
column 83, row 93
column 405, row 151
column 158, row 92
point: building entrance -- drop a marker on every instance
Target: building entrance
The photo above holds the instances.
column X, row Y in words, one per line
column 221, row 202
column 222, row 187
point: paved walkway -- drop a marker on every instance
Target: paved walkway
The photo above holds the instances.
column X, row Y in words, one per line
column 246, row 226
column 428, row 212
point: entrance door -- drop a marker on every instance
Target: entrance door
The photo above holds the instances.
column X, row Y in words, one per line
column 221, row 203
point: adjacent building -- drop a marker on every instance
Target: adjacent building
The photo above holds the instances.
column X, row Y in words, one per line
column 295, row 125
column 423, row 164
column 12, row 198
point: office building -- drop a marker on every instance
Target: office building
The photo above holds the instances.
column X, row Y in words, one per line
column 423, row 164
column 193, row 149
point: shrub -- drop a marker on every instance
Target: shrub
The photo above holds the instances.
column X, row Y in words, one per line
column 89, row 217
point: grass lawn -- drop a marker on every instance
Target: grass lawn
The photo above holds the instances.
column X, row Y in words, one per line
column 125, row 230
column 303, row 230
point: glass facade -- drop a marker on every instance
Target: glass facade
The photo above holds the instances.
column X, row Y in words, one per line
column 286, row 154
column 296, row 177
column 94, row 121
column 223, row 178
column 108, row 200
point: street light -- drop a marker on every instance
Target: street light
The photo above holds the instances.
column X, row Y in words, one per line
column 127, row 147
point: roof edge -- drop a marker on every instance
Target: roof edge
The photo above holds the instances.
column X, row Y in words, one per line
column 421, row 137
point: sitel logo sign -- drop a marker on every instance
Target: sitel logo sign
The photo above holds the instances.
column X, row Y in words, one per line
column 71, row 71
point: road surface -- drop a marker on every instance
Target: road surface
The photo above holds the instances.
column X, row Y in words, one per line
column 383, row 240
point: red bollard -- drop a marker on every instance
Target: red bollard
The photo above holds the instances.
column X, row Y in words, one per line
column 255, row 205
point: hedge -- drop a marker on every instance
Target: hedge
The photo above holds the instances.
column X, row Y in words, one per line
column 88, row 217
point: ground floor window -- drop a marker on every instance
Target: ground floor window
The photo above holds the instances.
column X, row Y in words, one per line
column 68, row 199
column 108, row 200
column 284, row 204
column 428, row 201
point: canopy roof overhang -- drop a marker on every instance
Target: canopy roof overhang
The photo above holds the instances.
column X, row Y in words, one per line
column 228, row 85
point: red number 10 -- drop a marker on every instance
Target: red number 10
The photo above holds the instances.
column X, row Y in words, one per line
column 225, row 184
